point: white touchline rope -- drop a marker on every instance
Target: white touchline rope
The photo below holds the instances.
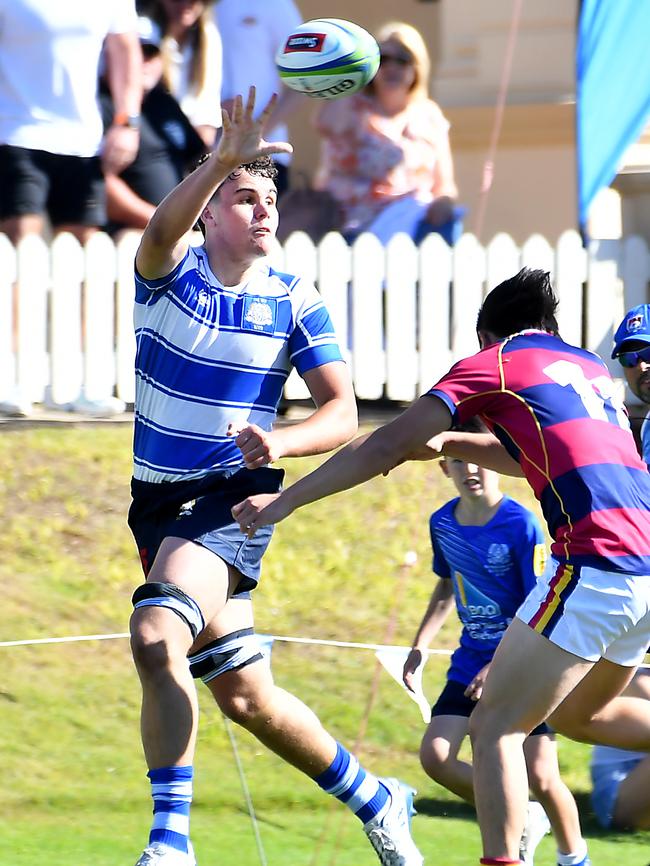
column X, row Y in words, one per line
column 305, row 640
column 246, row 791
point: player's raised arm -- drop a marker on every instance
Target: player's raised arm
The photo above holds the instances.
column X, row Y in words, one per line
column 367, row 456
column 165, row 240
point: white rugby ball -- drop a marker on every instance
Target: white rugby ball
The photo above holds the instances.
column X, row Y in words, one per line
column 328, row 58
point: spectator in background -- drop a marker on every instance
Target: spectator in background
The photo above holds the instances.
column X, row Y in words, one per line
column 620, row 796
column 251, row 33
column 385, row 152
column 191, row 53
column 168, row 144
column 50, row 123
column 52, row 153
column 632, row 351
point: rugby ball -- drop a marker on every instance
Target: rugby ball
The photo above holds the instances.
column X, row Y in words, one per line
column 328, row 58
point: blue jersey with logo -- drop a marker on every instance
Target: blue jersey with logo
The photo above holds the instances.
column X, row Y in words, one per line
column 209, row 355
column 493, row 568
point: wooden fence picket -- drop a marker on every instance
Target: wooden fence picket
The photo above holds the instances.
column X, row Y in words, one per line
column 367, row 343
column 570, row 275
column 401, row 319
column 124, row 335
column 66, row 343
column 605, row 304
column 502, row 260
column 467, row 295
column 99, row 318
column 434, row 313
column 33, row 280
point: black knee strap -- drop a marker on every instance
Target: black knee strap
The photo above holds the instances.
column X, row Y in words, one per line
column 152, row 594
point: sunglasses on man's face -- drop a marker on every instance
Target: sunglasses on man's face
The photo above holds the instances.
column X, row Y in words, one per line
column 399, row 59
column 632, row 359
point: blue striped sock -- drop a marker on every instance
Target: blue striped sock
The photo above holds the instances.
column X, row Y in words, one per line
column 346, row 780
column 171, row 789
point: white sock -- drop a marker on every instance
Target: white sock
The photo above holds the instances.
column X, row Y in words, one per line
column 575, row 857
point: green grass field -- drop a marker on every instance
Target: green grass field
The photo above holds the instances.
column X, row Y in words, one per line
column 74, row 786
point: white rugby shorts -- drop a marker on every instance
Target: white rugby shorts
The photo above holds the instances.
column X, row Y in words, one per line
column 592, row 614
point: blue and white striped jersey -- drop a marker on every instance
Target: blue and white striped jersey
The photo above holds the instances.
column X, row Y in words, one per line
column 210, row 355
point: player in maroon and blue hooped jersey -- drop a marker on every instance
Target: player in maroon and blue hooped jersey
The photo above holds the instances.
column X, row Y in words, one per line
column 580, row 634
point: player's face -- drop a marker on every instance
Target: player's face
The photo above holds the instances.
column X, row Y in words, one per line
column 635, row 362
column 244, row 215
column 471, row 481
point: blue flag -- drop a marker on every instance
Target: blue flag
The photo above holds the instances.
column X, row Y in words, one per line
column 613, row 89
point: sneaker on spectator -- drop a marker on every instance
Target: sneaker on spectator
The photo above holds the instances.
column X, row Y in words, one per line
column 104, row 408
column 16, row 406
column 536, row 827
column 390, row 833
column 161, row 855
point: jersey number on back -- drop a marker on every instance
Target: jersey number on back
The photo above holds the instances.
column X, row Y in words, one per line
column 595, row 394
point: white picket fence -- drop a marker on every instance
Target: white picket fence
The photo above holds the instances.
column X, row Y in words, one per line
column 402, row 313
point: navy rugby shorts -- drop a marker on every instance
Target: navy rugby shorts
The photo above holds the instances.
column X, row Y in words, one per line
column 199, row 510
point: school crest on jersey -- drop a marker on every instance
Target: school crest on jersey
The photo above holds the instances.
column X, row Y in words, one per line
column 259, row 314
column 498, row 558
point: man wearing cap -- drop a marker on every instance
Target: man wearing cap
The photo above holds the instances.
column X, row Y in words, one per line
column 632, row 351
column 169, row 143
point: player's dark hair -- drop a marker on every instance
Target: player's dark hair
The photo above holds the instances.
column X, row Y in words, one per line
column 263, row 166
column 524, row 301
column 472, row 425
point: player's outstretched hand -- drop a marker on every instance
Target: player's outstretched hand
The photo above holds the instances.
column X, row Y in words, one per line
column 260, row 510
column 258, row 447
column 412, row 663
column 242, row 136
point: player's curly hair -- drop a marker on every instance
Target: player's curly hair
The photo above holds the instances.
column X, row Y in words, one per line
column 263, row 166
column 526, row 300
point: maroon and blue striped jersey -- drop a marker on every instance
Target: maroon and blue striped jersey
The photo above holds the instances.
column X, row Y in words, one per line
column 554, row 408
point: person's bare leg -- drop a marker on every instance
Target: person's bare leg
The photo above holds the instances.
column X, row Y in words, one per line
column 160, row 640
column 439, row 755
column 546, row 783
column 18, row 227
column 593, row 712
column 528, row 678
column 278, row 719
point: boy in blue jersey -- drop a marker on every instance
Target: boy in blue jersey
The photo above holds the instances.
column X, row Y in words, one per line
column 218, row 331
column 488, row 552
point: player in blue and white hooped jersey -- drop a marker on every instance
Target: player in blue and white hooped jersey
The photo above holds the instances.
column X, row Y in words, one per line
column 218, row 331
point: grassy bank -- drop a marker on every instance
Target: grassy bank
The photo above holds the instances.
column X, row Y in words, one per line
column 76, row 791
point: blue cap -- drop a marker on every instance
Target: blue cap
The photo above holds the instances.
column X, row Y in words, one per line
column 634, row 327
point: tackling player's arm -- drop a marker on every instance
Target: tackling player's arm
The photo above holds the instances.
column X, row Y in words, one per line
column 483, row 449
column 404, row 438
column 438, row 609
column 334, row 422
